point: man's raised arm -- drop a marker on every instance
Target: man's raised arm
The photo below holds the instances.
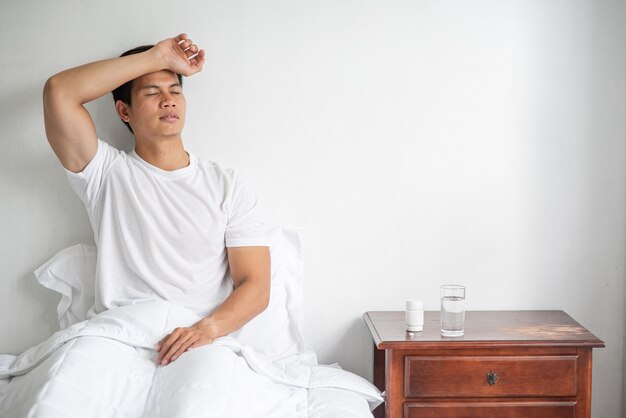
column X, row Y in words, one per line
column 69, row 126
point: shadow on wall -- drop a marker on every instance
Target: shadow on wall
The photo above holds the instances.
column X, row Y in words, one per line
column 109, row 127
column 355, row 347
column 41, row 214
column 28, row 160
column 25, row 150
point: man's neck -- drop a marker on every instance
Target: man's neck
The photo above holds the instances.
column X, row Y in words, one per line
column 168, row 154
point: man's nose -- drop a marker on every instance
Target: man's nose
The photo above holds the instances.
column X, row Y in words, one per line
column 168, row 101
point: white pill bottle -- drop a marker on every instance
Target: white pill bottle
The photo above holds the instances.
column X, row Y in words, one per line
column 414, row 315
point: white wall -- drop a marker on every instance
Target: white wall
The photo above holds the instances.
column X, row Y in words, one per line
column 417, row 142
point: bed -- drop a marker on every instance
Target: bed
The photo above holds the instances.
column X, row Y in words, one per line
column 104, row 365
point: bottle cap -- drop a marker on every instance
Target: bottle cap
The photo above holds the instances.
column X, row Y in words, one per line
column 414, row 305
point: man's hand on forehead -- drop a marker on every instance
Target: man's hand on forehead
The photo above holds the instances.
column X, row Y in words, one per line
column 188, row 45
column 181, row 55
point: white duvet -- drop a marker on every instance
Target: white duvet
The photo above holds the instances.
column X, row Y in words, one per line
column 105, row 367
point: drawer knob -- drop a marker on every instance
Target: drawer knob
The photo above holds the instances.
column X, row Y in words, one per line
column 492, row 378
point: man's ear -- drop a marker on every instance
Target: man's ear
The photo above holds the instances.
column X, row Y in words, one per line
column 122, row 110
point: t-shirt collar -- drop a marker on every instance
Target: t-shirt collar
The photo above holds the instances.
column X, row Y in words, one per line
column 165, row 173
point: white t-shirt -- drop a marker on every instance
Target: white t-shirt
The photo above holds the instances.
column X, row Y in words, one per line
column 163, row 234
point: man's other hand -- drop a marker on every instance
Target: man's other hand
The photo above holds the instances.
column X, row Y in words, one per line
column 173, row 345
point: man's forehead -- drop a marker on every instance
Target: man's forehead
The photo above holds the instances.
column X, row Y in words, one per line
column 157, row 78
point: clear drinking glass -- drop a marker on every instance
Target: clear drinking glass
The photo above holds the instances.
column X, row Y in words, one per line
column 452, row 310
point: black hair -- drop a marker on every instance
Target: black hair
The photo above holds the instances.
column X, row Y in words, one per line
column 123, row 92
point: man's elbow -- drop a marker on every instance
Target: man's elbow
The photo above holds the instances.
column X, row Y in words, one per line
column 51, row 85
column 52, row 91
column 60, row 91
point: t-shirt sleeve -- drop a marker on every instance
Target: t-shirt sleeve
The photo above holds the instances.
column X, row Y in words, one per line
column 245, row 226
column 86, row 184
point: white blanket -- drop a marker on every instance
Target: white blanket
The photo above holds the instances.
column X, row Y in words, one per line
column 105, row 367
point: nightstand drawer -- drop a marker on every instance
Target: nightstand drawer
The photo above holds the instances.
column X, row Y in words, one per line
column 491, row 410
column 478, row 376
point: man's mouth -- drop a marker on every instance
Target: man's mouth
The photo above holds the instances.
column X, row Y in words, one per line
column 169, row 117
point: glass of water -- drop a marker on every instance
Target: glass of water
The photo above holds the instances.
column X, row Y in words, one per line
column 452, row 310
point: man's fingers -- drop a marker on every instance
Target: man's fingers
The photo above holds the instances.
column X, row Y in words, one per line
column 172, row 346
column 165, row 344
column 196, row 52
column 190, row 49
column 163, row 349
column 175, row 348
column 184, row 44
column 187, row 45
column 183, row 347
column 160, row 343
column 198, row 57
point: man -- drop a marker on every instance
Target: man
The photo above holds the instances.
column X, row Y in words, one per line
column 167, row 225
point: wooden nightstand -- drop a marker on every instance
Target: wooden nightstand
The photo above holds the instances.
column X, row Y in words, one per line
column 514, row 364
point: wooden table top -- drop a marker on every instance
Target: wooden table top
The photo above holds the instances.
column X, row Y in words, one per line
column 482, row 328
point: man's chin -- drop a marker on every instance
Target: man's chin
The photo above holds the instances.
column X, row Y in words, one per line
column 161, row 136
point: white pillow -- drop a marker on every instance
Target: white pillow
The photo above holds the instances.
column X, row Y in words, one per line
column 274, row 333
column 72, row 273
